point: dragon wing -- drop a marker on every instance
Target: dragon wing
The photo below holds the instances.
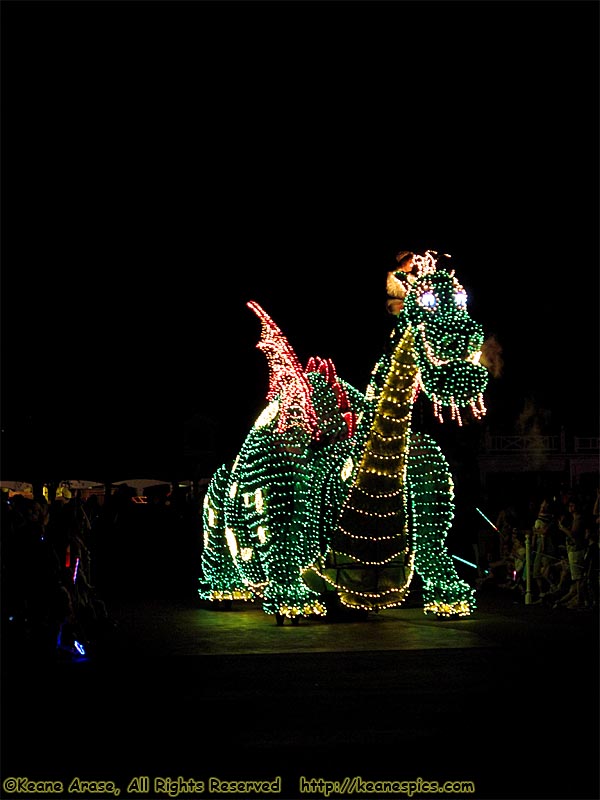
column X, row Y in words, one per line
column 286, row 378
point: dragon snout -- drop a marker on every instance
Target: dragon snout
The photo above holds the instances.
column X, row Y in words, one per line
column 456, row 345
column 461, row 343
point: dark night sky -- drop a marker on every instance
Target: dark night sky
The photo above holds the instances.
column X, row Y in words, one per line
column 163, row 164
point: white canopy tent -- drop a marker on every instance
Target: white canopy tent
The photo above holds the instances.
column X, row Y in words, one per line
column 17, row 487
column 140, row 484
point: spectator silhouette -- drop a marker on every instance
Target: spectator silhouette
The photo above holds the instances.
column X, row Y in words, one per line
column 34, row 591
column 572, row 524
column 544, row 547
column 591, row 577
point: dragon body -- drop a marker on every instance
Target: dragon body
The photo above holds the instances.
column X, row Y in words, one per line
column 333, row 490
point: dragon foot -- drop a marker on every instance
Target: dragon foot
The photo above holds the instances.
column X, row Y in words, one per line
column 448, row 598
column 280, row 619
column 233, row 594
column 294, row 613
column 461, row 608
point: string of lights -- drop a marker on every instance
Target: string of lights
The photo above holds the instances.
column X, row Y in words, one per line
column 333, row 490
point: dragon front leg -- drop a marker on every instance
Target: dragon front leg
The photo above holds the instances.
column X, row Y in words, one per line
column 221, row 579
column 432, row 494
column 286, row 594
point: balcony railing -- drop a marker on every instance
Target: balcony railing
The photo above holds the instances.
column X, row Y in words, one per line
column 587, row 444
column 541, row 444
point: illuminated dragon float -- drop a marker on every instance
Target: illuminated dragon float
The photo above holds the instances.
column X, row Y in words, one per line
column 333, row 491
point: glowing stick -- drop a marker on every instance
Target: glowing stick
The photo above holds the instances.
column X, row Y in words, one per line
column 76, row 568
column 486, row 519
column 79, row 647
column 470, row 563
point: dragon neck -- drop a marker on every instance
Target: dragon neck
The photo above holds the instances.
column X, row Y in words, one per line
column 375, row 508
column 383, row 464
column 371, row 558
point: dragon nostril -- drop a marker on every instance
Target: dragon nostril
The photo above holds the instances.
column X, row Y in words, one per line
column 475, row 343
column 455, row 345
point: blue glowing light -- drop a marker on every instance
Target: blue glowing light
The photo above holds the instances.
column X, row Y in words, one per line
column 469, row 563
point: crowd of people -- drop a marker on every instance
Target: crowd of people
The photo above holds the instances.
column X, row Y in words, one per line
column 66, row 561
column 48, row 599
column 563, row 552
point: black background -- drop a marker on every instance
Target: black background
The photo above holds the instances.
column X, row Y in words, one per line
column 164, row 163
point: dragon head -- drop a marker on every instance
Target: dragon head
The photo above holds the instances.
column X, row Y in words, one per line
column 447, row 342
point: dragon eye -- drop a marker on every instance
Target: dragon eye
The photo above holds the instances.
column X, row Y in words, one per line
column 460, row 298
column 427, row 300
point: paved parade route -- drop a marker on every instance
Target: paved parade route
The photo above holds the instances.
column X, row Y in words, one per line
column 186, row 693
